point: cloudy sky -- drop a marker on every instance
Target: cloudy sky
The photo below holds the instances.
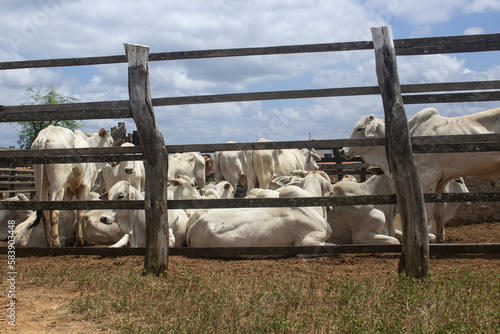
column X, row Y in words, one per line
column 41, row 29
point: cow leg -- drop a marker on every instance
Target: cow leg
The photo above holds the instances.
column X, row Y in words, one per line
column 53, row 229
column 46, row 216
column 314, row 238
column 82, row 195
column 69, row 222
column 438, row 215
column 122, row 242
column 42, row 189
column 372, row 238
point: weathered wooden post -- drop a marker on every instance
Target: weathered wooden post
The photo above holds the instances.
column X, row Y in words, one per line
column 156, row 159
column 414, row 260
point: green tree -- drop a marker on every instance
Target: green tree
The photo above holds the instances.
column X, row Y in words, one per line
column 28, row 131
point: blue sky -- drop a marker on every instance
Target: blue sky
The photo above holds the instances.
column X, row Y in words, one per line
column 81, row 28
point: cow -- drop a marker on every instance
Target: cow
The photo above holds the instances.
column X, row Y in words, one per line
column 209, row 164
column 131, row 171
column 190, row 163
column 68, row 180
column 375, row 224
column 450, row 208
column 133, row 222
column 435, row 169
column 30, row 234
column 231, row 166
column 16, row 216
column 182, row 187
column 265, row 165
column 223, row 189
column 363, row 224
column 267, row 227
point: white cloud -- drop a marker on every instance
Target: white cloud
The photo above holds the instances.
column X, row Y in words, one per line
column 474, row 31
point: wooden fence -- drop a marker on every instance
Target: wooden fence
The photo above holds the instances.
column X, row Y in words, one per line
column 411, row 94
column 15, row 181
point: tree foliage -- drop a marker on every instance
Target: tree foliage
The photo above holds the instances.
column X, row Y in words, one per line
column 28, row 131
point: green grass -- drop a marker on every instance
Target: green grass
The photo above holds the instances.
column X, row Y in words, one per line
column 213, row 302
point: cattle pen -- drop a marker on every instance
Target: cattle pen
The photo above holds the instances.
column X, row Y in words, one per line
column 140, row 108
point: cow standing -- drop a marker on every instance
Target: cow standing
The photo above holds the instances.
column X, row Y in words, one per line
column 68, row 180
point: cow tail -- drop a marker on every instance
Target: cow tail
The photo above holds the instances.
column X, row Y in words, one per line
column 40, row 143
column 36, row 221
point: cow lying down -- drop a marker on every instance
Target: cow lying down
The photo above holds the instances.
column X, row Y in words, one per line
column 374, row 224
column 267, row 227
column 133, row 222
column 18, row 216
column 31, row 234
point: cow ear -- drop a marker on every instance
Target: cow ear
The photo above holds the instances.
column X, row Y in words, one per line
column 227, row 186
column 174, row 183
column 371, row 129
column 131, row 195
column 282, row 180
column 104, row 197
column 315, row 155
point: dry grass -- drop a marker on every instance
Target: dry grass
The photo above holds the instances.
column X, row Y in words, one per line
column 248, row 299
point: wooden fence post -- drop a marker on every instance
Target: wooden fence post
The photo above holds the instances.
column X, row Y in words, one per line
column 155, row 159
column 414, row 260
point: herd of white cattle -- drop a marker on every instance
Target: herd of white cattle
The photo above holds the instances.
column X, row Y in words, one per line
column 285, row 173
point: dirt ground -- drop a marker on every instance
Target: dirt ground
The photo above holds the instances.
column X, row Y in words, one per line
column 42, row 310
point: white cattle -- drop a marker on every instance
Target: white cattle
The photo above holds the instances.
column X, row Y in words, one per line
column 97, row 233
column 190, row 164
column 231, row 166
column 17, row 216
column 265, row 165
column 131, row 171
column 68, row 180
column 209, row 164
column 262, row 193
column 223, row 189
column 266, row 227
column 450, row 208
column 133, row 222
column 182, row 187
column 436, row 169
column 375, row 224
column 363, row 224
column 31, row 234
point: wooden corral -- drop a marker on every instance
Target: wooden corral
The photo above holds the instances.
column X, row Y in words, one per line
column 120, row 135
column 409, row 94
column 15, row 181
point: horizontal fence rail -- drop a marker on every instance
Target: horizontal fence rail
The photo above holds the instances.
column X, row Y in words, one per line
column 246, row 202
column 120, row 109
column 435, row 249
column 404, row 47
column 437, row 144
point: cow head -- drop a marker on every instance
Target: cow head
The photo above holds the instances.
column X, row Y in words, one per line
column 122, row 190
column 182, row 187
column 368, row 127
column 209, row 164
column 105, row 139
